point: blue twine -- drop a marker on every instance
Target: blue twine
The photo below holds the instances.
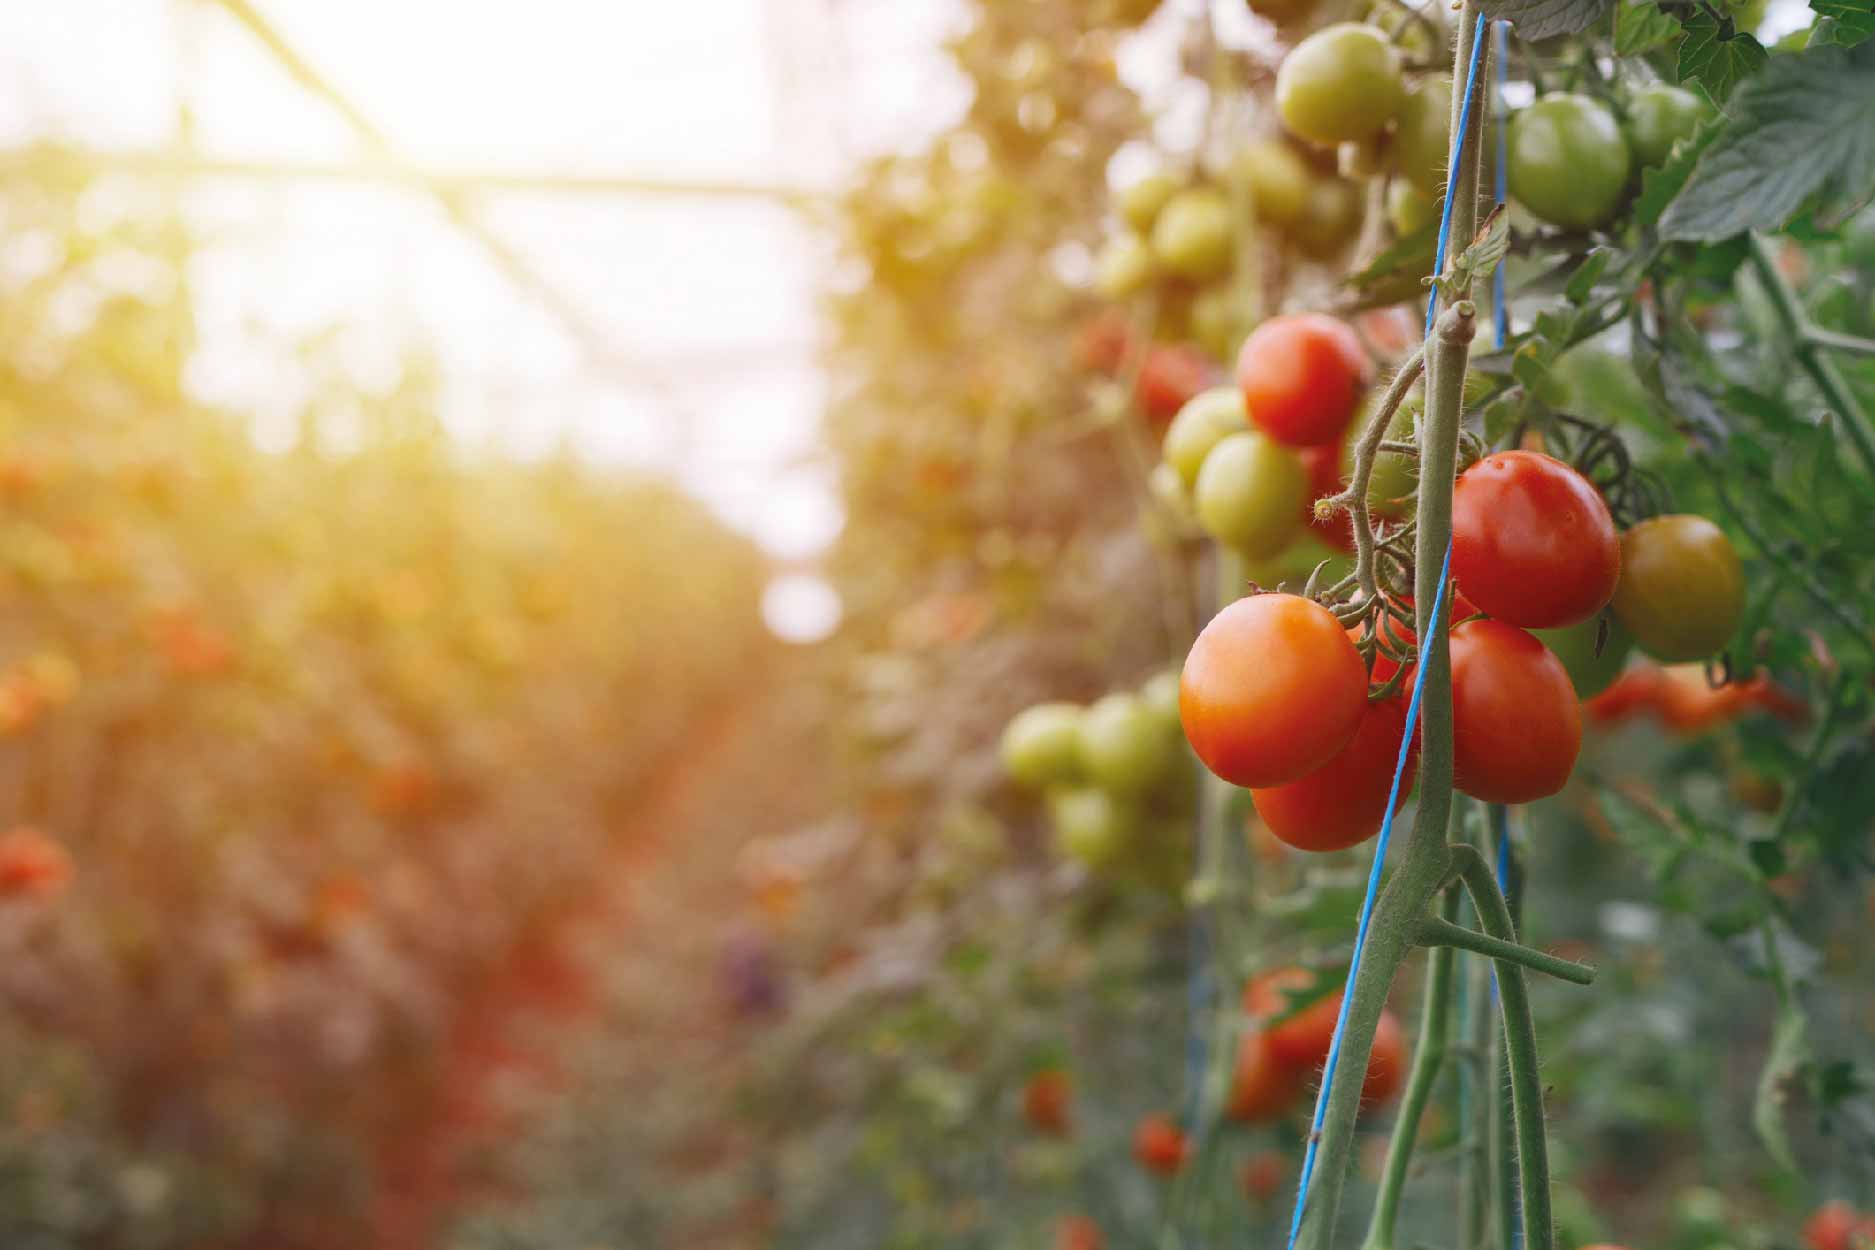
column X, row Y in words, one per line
column 1412, row 707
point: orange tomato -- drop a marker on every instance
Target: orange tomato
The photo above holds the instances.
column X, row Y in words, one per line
column 1342, row 803
column 1262, row 1086
column 1045, row 1101
column 1159, row 1146
column 1516, row 723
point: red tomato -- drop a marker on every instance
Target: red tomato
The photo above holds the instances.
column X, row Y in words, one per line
column 1271, row 691
column 1159, row 1146
column 1263, row 1175
column 1516, row 724
column 1685, row 701
column 1262, row 1087
column 1168, row 377
column 1533, row 543
column 1077, row 1232
column 1341, row 803
column 1636, row 692
column 1301, row 1043
column 1838, row 1226
column 32, row 865
column 1324, row 468
column 1045, row 1101
column 1101, row 340
column 1301, row 377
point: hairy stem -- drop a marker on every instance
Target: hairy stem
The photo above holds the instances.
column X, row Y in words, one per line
column 1810, row 355
column 1526, row 1083
column 1474, row 1108
column 1434, row 931
column 1354, row 498
column 1435, row 1035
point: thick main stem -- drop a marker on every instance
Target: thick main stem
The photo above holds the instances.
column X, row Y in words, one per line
column 1422, row 869
column 1526, row 1083
column 1435, row 1037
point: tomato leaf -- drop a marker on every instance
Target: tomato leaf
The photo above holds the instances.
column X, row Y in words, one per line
column 1716, row 54
column 1543, row 19
column 1641, row 26
column 1588, row 273
column 1660, row 183
column 1481, row 257
column 1804, row 127
column 1849, row 23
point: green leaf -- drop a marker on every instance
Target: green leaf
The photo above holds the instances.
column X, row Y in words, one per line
column 1804, row 127
column 1716, row 55
column 1641, row 27
column 1478, row 260
column 1588, row 273
column 1850, row 21
column 1661, row 183
column 1790, row 1050
column 1544, row 19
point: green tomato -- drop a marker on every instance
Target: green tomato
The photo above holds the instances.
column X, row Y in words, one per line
column 1409, row 209
column 1574, row 645
column 1141, row 203
column 1569, row 161
column 1160, row 695
column 1041, row 745
column 1207, row 419
column 1342, row 84
column 1091, row 826
column 1335, row 210
column 1748, row 15
column 1125, row 746
column 1192, row 237
column 1123, row 268
column 1277, row 179
column 1682, row 588
column 1250, row 494
column 1423, row 139
column 1168, row 490
column 1217, row 322
column 1659, row 116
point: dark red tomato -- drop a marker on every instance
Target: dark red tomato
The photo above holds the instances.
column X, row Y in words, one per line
column 1271, row 690
column 1101, row 340
column 1301, row 377
column 1324, row 468
column 1159, row 1146
column 1516, row 724
column 1077, row 1232
column 1045, row 1101
column 1168, row 377
column 1262, row 1087
column 1533, row 543
column 1341, row 803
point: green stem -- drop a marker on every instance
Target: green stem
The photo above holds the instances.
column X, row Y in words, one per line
column 1526, row 1082
column 1821, row 368
column 1434, row 931
column 1852, row 344
column 1474, row 1111
column 1354, row 498
column 1435, row 1035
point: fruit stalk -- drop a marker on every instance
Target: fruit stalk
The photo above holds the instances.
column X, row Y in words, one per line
column 1526, row 1083
column 1354, row 498
column 1437, row 932
column 1435, row 1034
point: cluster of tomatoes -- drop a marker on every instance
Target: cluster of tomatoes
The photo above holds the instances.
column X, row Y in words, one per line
column 1550, row 597
column 1115, row 778
column 1280, row 1050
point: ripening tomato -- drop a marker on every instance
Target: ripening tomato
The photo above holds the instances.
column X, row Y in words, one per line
column 1301, row 376
column 1168, row 377
column 1272, row 690
column 1590, row 671
column 1100, row 341
column 1209, row 418
column 1516, row 722
column 32, row 865
column 1341, row 84
column 1250, row 494
column 1262, row 1087
column 1045, row 1101
column 1690, row 704
column 1569, row 161
column 1301, row 1042
column 1533, row 543
column 1836, row 1225
column 1041, row 745
column 1159, row 1146
column 1341, row 804
column 1078, row 1232
column 1682, row 589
